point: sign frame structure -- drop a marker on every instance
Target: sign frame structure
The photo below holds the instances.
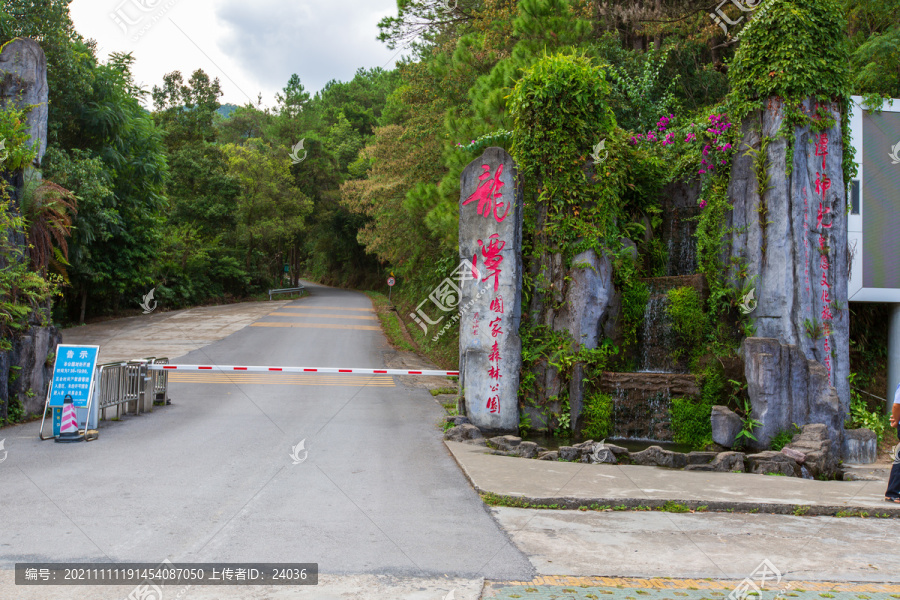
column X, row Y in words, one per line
column 856, row 233
column 89, row 402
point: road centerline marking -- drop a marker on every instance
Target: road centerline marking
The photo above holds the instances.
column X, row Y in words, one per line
column 322, row 316
column 316, row 325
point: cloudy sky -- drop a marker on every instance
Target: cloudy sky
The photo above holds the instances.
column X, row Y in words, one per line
column 252, row 46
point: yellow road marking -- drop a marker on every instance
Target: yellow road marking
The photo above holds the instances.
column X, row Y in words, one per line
column 317, row 326
column 325, row 316
column 323, row 308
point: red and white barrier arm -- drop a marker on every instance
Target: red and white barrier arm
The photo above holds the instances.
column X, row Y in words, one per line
column 233, row 369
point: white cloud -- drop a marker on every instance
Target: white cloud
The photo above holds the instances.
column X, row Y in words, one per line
column 252, row 46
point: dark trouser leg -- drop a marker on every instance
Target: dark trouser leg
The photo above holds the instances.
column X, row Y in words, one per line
column 893, row 490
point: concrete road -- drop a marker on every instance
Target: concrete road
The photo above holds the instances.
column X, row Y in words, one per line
column 214, row 477
column 171, row 333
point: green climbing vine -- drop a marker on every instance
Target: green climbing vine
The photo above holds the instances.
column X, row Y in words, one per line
column 586, row 189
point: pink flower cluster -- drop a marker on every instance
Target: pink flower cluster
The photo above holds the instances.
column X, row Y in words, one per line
column 650, row 136
column 718, row 125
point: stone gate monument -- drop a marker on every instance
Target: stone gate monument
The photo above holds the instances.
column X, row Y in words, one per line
column 490, row 244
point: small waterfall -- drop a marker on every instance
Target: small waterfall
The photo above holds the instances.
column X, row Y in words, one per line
column 641, row 412
column 682, row 246
column 805, row 472
column 655, row 340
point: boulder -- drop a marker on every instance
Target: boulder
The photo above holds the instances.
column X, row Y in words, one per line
column 656, row 456
column 505, row 443
column 700, row 458
column 795, row 454
column 726, row 426
column 528, row 450
column 619, row 451
column 860, row 446
column 551, row 455
column 728, row 462
column 570, row 453
column 770, row 461
column 814, row 443
column 600, row 453
column 462, row 433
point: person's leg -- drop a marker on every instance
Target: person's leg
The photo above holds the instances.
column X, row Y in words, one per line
column 893, row 490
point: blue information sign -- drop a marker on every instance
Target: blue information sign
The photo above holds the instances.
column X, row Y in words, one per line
column 73, row 374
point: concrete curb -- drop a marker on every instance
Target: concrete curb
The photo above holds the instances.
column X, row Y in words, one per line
column 638, row 504
column 889, row 510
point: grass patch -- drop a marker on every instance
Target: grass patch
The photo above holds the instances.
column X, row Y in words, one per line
column 674, row 507
column 390, row 322
column 447, row 390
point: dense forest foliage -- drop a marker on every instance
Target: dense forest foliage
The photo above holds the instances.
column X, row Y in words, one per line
column 360, row 179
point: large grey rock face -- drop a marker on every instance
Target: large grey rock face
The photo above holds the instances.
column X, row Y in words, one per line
column 786, row 388
column 726, row 426
column 860, row 446
column 23, row 83
column 589, row 291
column 29, row 353
column 490, row 236
column 793, row 238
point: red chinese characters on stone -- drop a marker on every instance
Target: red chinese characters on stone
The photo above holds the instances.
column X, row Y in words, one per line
column 820, row 218
column 822, row 145
column 475, row 324
column 495, row 353
column 492, row 258
column 496, row 327
column 497, row 304
column 823, row 183
column 493, row 404
column 494, row 373
column 489, row 195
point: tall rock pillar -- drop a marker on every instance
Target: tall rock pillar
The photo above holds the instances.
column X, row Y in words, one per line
column 793, row 238
column 490, row 239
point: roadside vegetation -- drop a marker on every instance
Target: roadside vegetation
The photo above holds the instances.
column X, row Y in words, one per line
column 211, row 203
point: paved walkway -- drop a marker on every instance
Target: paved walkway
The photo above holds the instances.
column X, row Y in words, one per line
column 632, row 486
column 169, row 334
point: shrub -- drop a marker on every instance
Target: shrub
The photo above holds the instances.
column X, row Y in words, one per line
column 688, row 319
column 597, row 413
column 783, row 438
column 691, row 422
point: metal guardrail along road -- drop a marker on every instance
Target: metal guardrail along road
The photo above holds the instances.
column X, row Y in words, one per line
column 299, row 290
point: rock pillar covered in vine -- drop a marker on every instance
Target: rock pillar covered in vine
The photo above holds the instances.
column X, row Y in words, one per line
column 789, row 220
column 490, row 247
column 792, row 238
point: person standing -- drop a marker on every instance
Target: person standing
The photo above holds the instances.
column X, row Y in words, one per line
column 893, row 492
